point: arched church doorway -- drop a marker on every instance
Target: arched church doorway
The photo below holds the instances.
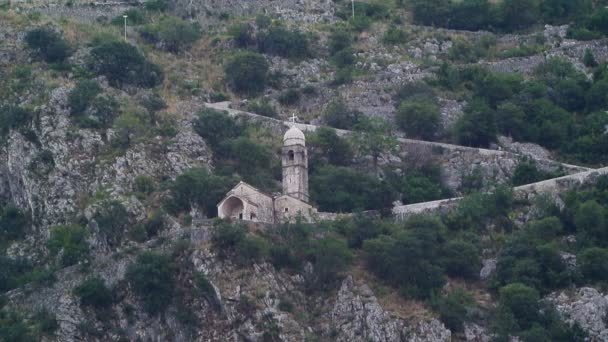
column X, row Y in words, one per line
column 233, row 208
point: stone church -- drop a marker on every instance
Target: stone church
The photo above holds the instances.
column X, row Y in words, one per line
column 245, row 202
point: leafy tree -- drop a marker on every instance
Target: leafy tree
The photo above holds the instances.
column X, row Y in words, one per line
column 48, row 44
column 594, row 264
column 94, row 292
column 373, row 137
column 152, row 278
column 247, row 72
column 341, row 189
column 198, row 187
column 461, row 259
column 430, row 12
column 522, row 302
column 123, row 64
column 477, row 127
column 325, row 146
column 172, row 33
column 519, row 14
column 331, row 256
column 128, row 126
column 68, row 242
column 590, row 218
column 511, row 120
column 338, row 115
column 419, row 118
column 407, row 258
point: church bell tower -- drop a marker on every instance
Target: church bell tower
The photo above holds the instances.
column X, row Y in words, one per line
column 295, row 164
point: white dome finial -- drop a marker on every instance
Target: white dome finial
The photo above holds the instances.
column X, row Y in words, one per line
column 294, row 136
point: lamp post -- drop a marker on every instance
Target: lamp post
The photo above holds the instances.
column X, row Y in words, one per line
column 353, row 7
column 125, row 16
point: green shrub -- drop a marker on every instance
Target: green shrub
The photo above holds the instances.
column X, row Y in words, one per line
column 477, row 127
column 45, row 322
column 526, row 172
column 242, row 34
column 14, row 327
column 284, row 42
column 152, row 278
column 452, row 308
column 48, row 44
column 156, row 5
column 82, row 95
column 342, row 76
column 172, row 34
column 14, row 224
column 289, row 97
column 339, row 39
column 112, row 219
column 144, row 185
column 394, row 35
column 69, row 242
column 135, row 17
column 13, row 117
column 204, row 285
column 94, row 292
column 233, row 240
column 341, row 189
column 247, row 73
column 419, row 118
column 262, row 107
column 123, row 64
column 418, row 185
column 343, row 59
column 589, row 59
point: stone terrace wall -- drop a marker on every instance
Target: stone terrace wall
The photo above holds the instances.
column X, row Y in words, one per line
column 572, row 51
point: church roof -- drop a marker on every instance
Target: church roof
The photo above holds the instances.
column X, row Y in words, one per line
column 294, row 136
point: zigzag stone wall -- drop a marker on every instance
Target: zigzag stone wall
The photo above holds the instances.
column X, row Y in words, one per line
column 456, row 161
column 552, row 187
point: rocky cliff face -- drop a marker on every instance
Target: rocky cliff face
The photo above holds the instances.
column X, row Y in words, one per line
column 252, row 304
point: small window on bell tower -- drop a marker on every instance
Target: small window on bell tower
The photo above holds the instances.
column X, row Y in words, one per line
column 291, row 155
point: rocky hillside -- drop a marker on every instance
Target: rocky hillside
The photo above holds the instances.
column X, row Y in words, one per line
column 429, row 133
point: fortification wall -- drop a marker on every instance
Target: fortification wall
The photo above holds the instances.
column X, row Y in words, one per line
column 456, row 162
column 552, row 187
